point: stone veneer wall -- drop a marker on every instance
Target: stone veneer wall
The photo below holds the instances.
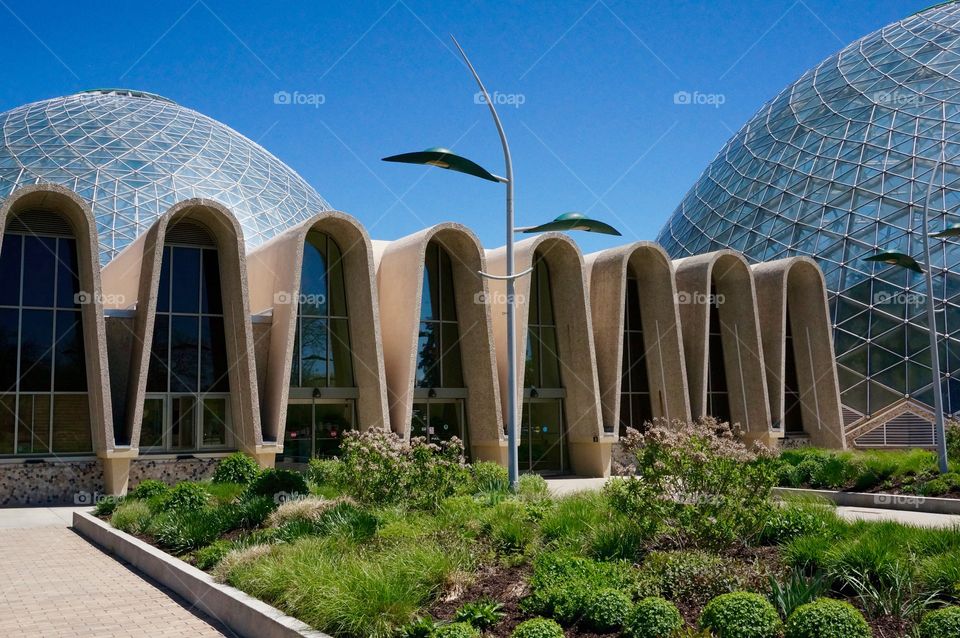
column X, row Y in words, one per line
column 80, row 482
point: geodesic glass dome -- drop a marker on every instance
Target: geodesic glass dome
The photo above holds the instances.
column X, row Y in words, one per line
column 132, row 155
column 837, row 167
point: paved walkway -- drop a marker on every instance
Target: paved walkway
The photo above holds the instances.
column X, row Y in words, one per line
column 54, row 583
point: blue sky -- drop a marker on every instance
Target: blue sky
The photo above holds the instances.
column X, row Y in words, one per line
column 587, row 88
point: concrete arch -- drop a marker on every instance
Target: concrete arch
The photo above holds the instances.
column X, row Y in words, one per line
column 400, row 272
column 726, row 273
column 275, row 269
column 796, row 285
column 51, row 197
column 588, row 446
column 135, row 275
column 663, row 340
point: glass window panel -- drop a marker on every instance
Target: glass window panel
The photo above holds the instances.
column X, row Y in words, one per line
column 9, row 318
column 448, row 308
column 214, row 375
column 545, row 440
column 70, row 373
column 545, row 293
column 531, row 370
column 314, row 346
column 297, row 444
column 549, row 361
column 39, row 270
column 71, row 424
column 211, row 300
column 638, row 364
column 341, row 362
column 185, row 277
column 157, row 371
column 10, row 254
column 452, row 376
column 163, row 289
column 533, row 313
column 151, row 428
column 337, row 298
column 332, row 420
column 418, row 424
column 214, row 422
column 33, row 433
column 295, row 363
column 313, row 278
column 430, row 298
column 632, row 306
column 184, row 353
column 183, row 423
column 8, row 411
column 68, row 273
column 446, row 421
column 36, row 350
column 428, row 355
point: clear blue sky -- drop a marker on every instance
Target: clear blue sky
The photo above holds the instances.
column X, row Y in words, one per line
column 598, row 129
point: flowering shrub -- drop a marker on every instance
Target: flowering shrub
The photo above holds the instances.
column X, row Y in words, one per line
column 696, row 481
column 380, row 467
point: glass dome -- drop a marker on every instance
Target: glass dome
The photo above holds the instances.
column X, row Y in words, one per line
column 133, row 154
column 830, row 168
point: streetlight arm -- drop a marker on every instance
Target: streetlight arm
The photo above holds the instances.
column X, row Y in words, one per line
column 506, row 277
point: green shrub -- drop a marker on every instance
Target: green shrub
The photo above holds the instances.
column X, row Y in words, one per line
column 653, row 618
column 482, row 614
column 185, row 497
column 456, row 630
column 741, row 615
column 532, row 486
column 280, row 485
column 941, row 623
column 510, row 528
column 326, row 472
column 251, row 511
column 184, row 530
column 795, row 519
column 834, row 472
column 145, row 490
column 943, row 484
column 607, row 610
column 941, row 573
column 538, row 628
column 106, row 505
column 953, row 440
column 487, row 476
column 132, row 517
column 827, row 618
column 223, row 493
column 562, row 583
column 419, row 628
column 691, row 574
column 207, row 557
column 619, row 538
column 237, row 468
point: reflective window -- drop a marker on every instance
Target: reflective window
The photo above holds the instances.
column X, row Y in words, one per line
column 792, row 414
column 718, row 398
column 439, row 363
column 543, row 359
column 635, row 408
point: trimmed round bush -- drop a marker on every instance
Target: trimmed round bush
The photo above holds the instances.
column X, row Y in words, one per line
column 149, row 488
column 827, row 618
column 653, row 618
column 280, row 485
column 456, row 630
column 185, row 497
column 940, row 623
column 607, row 610
column 538, row 628
column 237, row 468
column 741, row 615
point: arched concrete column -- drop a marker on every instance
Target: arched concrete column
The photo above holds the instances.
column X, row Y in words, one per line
column 663, row 342
column 51, row 197
column 726, row 273
column 796, row 285
column 400, row 273
column 135, row 274
column 588, row 446
column 275, row 270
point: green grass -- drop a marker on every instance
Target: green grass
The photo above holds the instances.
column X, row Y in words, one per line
column 858, row 470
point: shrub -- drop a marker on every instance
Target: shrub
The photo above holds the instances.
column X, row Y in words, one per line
column 696, row 481
column 419, row 628
column 280, row 485
column 326, row 472
column 795, row 519
column 941, row 623
column 607, row 610
column 691, row 574
column 482, row 614
column 827, row 618
column 538, row 628
column 149, row 488
column 131, row 517
column 208, row 557
column 106, row 505
column 488, row 477
column 562, row 583
column 953, row 440
column 237, row 468
column 185, row 497
column 943, row 484
column 653, row 618
column 741, row 615
column 532, row 486
column 456, row 630
column 250, row 511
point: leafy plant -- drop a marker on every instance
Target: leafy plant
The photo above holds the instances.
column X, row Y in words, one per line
column 207, row 557
column 794, row 519
column 532, row 486
column 941, row 623
column 653, row 618
column 280, row 485
column 890, row 592
column 607, row 610
column 741, row 615
column 148, row 488
column 487, row 477
column 326, row 472
column 237, row 468
column 482, row 614
column 797, row 589
column 538, row 628
column 827, row 618
column 691, row 574
column 456, row 630
column 106, row 505
column 418, row 628
column 185, row 497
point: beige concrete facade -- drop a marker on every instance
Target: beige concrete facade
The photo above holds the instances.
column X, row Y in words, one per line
column 400, row 273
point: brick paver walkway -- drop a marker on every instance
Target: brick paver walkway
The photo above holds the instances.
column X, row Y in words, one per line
column 55, row 583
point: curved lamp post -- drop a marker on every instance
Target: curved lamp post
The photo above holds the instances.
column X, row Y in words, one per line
column 448, row 160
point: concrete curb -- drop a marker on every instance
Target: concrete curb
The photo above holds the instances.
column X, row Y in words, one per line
column 901, row 502
column 243, row 614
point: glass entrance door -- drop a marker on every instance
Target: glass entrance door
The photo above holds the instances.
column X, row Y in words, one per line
column 542, row 439
column 314, row 429
column 439, row 420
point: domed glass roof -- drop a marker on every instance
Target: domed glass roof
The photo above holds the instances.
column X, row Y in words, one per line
column 132, row 155
column 830, row 168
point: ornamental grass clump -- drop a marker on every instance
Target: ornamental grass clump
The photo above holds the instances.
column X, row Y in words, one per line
column 696, row 482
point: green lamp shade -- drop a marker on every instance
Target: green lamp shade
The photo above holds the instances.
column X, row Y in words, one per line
column 897, row 259
column 443, row 158
column 949, row 231
column 574, row 221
